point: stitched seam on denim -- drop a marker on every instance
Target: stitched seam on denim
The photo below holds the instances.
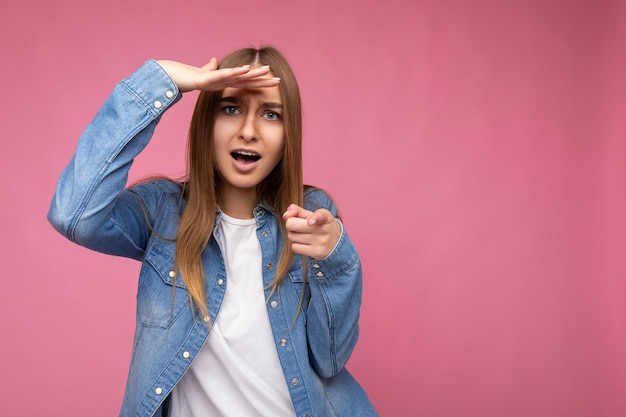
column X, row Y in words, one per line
column 331, row 330
column 97, row 180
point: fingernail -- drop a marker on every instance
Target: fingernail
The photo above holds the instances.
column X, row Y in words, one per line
column 264, row 67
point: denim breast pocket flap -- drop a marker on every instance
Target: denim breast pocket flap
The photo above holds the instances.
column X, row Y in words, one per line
column 161, row 258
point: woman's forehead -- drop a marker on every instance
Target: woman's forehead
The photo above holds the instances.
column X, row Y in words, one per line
column 270, row 94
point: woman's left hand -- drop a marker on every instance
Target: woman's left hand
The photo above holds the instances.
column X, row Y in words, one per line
column 312, row 234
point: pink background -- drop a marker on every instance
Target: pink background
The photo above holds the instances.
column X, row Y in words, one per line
column 477, row 150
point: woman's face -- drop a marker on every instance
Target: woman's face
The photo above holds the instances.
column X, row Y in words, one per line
column 248, row 136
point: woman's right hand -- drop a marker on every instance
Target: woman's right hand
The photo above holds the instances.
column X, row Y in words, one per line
column 209, row 78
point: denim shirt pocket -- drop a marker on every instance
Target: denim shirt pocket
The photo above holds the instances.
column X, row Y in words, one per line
column 159, row 301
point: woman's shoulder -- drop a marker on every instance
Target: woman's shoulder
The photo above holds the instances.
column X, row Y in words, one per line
column 157, row 191
column 315, row 198
column 158, row 184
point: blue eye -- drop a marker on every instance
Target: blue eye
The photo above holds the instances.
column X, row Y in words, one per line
column 230, row 110
column 270, row 115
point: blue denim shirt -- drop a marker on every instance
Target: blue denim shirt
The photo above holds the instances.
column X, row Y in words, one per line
column 92, row 208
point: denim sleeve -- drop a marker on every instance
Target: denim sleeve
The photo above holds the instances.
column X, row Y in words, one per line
column 334, row 307
column 90, row 205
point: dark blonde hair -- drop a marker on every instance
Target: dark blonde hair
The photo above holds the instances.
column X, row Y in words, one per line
column 283, row 186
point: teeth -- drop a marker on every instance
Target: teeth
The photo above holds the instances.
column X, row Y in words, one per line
column 246, row 153
column 249, row 156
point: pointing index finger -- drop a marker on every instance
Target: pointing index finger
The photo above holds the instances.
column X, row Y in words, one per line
column 321, row 216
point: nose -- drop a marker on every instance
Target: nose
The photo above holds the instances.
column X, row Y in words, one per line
column 249, row 131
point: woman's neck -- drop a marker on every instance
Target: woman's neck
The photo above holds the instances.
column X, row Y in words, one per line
column 237, row 202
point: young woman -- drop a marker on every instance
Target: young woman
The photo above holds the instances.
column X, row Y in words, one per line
column 250, row 289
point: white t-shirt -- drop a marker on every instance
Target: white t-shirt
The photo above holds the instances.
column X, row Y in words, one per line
column 237, row 372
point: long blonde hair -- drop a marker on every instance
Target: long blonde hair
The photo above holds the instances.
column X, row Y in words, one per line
column 283, row 186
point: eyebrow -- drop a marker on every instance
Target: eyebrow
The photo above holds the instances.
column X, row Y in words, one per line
column 266, row 104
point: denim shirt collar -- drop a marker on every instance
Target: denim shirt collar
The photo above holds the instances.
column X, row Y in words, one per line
column 260, row 213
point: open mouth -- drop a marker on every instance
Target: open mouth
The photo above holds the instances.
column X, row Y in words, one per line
column 245, row 156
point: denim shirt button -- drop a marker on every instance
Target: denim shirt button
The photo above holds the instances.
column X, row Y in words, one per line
column 320, row 274
column 186, row 355
column 268, row 266
column 220, row 281
column 169, row 94
column 158, row 391
column 294, row 381
column 265, row 234
column 158, row 104
column 316, row 265
column 274, row 304
column 172, row 274
column 283, row 342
